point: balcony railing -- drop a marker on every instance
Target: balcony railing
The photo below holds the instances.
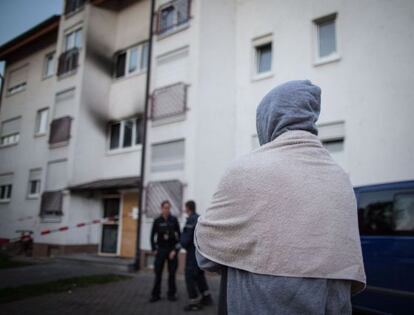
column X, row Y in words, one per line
column 73, row 6
column 68, row 61
column 169, row 101
column 172, row 15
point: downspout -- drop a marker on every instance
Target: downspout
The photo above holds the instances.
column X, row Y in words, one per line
column 1, row 88
column 137, row 263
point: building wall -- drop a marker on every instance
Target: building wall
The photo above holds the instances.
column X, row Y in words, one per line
column 37, row 95
column 368, row 87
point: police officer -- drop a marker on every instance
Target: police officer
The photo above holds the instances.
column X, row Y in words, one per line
column 165, row 237
column 194, row 277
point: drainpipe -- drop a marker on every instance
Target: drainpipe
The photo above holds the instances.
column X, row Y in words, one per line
column 1, row 88
column 137, row 263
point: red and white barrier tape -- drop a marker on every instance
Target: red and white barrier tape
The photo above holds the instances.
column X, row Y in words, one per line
column 79, row 225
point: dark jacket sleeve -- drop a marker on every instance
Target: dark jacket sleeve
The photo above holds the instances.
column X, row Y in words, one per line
column 154, row 231
column 178, row 234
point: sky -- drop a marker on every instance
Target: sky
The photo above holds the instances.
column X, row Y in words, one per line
column 18, row 16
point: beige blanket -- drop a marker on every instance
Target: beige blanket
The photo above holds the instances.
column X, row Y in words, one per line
column 286, row 209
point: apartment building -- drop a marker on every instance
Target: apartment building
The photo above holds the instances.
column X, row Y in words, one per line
column 212, row 62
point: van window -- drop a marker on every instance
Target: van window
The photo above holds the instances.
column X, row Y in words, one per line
column 387, row 212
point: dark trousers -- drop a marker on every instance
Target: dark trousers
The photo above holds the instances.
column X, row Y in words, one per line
column 160, row 258
column 195, row 280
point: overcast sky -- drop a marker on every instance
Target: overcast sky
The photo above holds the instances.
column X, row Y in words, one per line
column 18, row 16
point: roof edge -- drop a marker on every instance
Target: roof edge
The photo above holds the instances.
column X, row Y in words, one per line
column 45, row 27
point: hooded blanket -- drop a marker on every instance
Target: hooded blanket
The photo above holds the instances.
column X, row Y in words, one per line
column 285, row 209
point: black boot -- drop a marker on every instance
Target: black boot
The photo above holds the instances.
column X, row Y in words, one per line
column 206, row 300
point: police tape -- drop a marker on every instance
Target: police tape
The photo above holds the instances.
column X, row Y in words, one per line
column 79, row 225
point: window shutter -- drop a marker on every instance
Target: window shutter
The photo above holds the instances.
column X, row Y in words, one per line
column 168, row 156
column 51, row 203
column 35, row 174
column 157, row 192
column 60, row 130
column 10, row 127
column 18, row 76
column 6, row 179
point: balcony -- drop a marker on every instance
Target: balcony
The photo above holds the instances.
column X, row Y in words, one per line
column 68, row 61
column 169, row 101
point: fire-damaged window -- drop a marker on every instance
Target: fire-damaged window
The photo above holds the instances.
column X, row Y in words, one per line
column 60, row 130
column 172, row 15
column 51, row 204
column 126, row 133
column 69, row 59
column 157, row 192
column 132, row 60
column 74, row 5
column 169, row 101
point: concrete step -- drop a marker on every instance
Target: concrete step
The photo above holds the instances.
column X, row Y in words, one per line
column 118, row 263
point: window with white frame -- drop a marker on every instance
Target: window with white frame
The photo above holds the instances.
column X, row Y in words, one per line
column 126, row 133
column 42, row 116
column 17, row 80
column 332, row 136
column 262, row 62
column 326, row 37
column 168, row 156
column 6, row 185
column 10, row 131
column 49, row 65
column 73, row 39
column 33, row 190
column 172, row 15
column 132, row 60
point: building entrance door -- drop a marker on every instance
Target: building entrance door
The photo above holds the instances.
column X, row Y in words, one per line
column 110, row 229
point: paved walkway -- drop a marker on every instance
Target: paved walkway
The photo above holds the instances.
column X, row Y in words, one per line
column 123, row 297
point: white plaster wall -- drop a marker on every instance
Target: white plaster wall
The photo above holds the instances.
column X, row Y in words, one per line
column 369, row 87
column 30, row 152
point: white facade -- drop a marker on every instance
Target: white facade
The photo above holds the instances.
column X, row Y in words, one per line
column 365, row 78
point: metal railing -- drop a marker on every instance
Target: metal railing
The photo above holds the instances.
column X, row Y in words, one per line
column 169, row 101
column 68, row 61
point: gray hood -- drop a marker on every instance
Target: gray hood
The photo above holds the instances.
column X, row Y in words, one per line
column 294, row 105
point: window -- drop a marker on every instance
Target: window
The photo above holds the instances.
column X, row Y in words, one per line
column 68, row 60
column 73, row 5
column 132, row 60
column 49, row 65
column 51, row 204
column 10, row 131
column 332, row 136
column 173, row 14
column 73, row 40
column 386, row 212
column 156, row 192
column 126, row 133
column 6, row 184
column 167, row 156
column 169, row 101
column 41, row 121
column 17, row 80
column 111, row 207
column 264, row 58
column 60, row 130
column 34, row 183
column 326, row 37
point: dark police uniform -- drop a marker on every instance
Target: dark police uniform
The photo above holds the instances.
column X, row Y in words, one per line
column 194, row 276
column 165, row 236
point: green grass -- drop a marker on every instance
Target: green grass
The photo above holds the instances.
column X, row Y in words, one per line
column 64, row 285
column 6, row 262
